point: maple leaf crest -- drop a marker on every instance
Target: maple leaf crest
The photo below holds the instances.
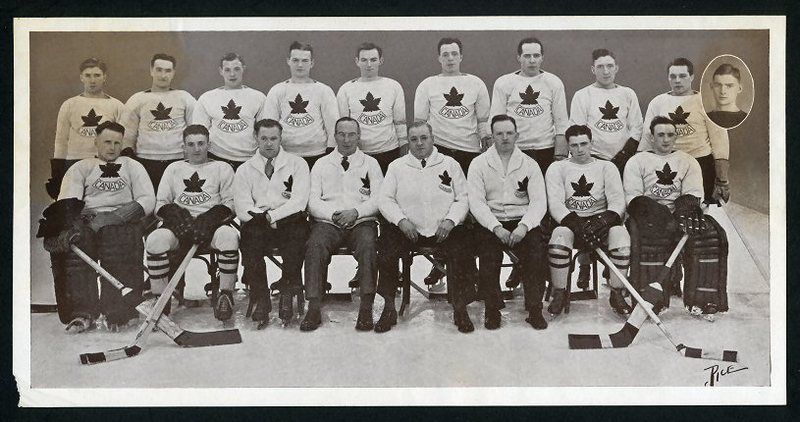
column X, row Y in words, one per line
column 522, row 185
column 231, row 112
column 454, row 98
column 110, row 169
column 609, row 111
column 529, row 96
column 679, row 117
column 370, row 103
column 666, row 175
column 288, row 183
column 445, row 178
column 365, row 181
column 194, row 183
column 582, row 188
column 161, row 112
column 298, row 105
column 91, row 119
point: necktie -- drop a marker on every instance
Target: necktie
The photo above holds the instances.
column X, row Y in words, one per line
column 345, row 163
column 423, row 163
column 269, row 168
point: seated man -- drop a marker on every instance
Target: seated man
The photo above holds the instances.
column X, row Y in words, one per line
column 507, row 197
column 585, row 195
column 270, row 194
column 424, row 198
column 345, row 213
column 195, row 198
column 670, row 179
column 101, row 201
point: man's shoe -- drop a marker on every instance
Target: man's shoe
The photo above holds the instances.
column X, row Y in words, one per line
column 491, row 319
column 583, row 276
column 312, row 320
column 364, row 321
column 223, row 309
column 434, row 276
column 535, row 318
column 514, row 278
column 618, row 302
column 285, row 310
column 557, row 302
column 462, row 321
column 387, row 319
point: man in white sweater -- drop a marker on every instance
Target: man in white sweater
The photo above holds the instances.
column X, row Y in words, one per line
column 424, row 198
column 270, row 193
column 344, row 205
column 507, row 197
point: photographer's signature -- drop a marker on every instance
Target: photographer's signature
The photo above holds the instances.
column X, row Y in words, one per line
column 715, row 373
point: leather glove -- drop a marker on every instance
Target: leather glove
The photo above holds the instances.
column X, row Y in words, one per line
column 722, row 191
column 627, row 151
column 58, row 166
column 177, row 219
column 60, row 244
column 575, row 223
column 595, row 231
column 689, row 214
column 206, row 223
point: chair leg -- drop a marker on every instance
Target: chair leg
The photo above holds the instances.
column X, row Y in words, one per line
column 406, row 260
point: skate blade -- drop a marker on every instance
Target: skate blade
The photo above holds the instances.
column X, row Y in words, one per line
column 262, row 325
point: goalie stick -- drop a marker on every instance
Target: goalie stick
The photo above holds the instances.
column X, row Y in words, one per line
column 181, row 337
column 624, row 337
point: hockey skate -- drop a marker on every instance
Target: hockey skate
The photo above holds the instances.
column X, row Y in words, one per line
column 79, row 325
column 557, row 303
column 223, row 308
column 618, row 302
column 387, row 319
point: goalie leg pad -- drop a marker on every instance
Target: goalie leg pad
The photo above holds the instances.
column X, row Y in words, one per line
column 121, row 249
column 706, row 264
column 650, row 249
column 75, row 283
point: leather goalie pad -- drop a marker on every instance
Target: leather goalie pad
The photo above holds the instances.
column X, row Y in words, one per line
column 121, row 253
column 706, row 267
column 650, row 249
column 75, row 282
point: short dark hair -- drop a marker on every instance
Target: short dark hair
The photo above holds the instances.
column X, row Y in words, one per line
column 420, row 123
column 267, row 123
column 577, row 130
column 728, row 69
column 529, row 40
column 297, row 45
column 602, row 52
column 346, row 119
column 195, row 130
column 368, row 46
column 229, row 57
column 163, row 56
column 109, row 125
column 503, row 118
column 93, row 62
column 448, row 40
column 661, row 120
column 682, row 61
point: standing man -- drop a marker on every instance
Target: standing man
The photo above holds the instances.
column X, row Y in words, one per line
column 698, row 136
column 270, row 193
column 424, row 197
column 344, row 205
column 102, row 200
column 157, row 118
column 726, row 84
column 78, row 119
column 229, row 113
column 584, row 194
column 507, row 196
column 379, row 106
column 305, row 107
column 194, row 200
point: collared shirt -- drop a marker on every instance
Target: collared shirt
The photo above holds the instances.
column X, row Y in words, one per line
column 286, row 193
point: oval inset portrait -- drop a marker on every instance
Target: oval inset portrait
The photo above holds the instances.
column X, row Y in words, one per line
column 727, row 90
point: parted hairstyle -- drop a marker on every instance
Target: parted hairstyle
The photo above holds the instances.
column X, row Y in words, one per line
column 682, row 61
column 529, row 40
column 503, row 118
column 195, row 130
column 163, row 56
column 229, row 57
column 109, row 125
column 346, row 119
column 267, row 123
column 448, row 40
column 728, row 69
column 602, row 52
column 420, row 123
column 660, row 120
column 93, row 62
column 367, row 46
column 578, row 130
column 297, row 45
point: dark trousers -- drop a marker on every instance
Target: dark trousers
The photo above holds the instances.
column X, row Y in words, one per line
column 313, row 159
column 155, row 169
column 543, row 157
column 325, row 238
column 393, row 245
column 463, row 158
column 709, row 172
column 233, row 163
column 385, row 158
column 530, row 251
column 257, row 240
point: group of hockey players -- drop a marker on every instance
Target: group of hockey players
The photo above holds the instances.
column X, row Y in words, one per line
column 307, row 171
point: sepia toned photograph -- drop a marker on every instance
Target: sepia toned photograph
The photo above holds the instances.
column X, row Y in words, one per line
column 324, row 211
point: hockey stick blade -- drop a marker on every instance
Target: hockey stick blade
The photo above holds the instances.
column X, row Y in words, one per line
column 622, row 338
column 723, row 355
column 213, row 338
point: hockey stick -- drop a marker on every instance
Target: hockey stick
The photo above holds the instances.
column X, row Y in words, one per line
column 689, row 352
column 180, row 336
column 624, row 337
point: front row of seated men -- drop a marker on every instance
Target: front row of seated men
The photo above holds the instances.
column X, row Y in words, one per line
column 424, row 198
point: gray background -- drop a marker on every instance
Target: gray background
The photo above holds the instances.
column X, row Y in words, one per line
column 745, row 98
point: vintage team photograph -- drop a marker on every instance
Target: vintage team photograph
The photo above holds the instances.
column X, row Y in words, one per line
column 391, row 213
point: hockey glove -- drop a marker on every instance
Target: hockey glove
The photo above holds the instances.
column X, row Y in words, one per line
column 574, row 223
column 619, row 160
column 58, row 166
column 722, row 191
column 259, row 218
column 58, row 216
column 60, row 243
column 177, row 219
column 689, row 215
column 595, row 231
column 206, row 223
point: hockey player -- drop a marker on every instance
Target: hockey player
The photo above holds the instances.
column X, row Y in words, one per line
column 77, row 122
column 101, row 202
column 229, row 113
column 194, row 199
column 305, row 107
column 508, row 199
column 584, row 194
column 270, row 197
column 379, row 106
column 343, row 202
column 726, row 84
column 665, row 176
column 424, row 197
column 156, row 119
column 698, row 136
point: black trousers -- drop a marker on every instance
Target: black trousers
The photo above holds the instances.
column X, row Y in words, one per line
column 313, row 159
column 155, row 169
column 463, row 158
column 233, row 163
column 709, row 172
column 385, row 158
column 543, row 157
column 258, row 238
